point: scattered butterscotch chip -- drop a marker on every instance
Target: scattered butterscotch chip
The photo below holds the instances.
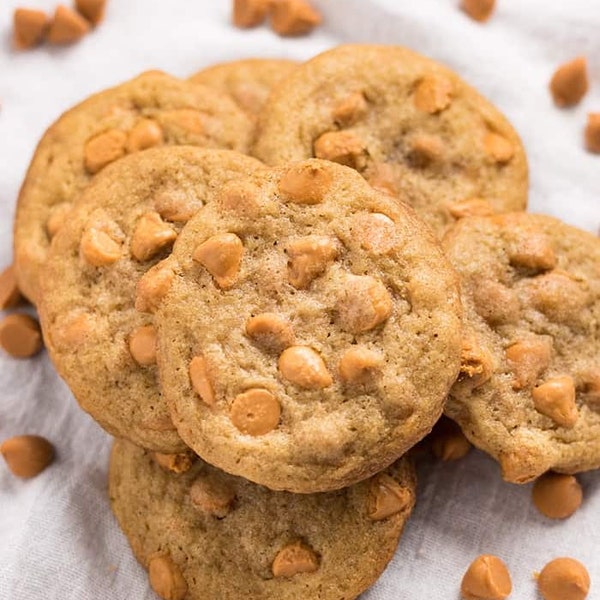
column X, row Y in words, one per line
column 487, row 578
column 359, row 364
column 555, row 398
column 255, row 411
column 528, row 359
column 592, row 133
column 433, row 94
column 103, row 149
column 343, row 147
column 498, row 148
column 387, row 497
column 470, row 207
column 29, row 28
column 58, row 215
column 166, row 578
column 98, row 248
column 27, row 455
column 142, row 345
column 212, row 495
column 146, row 133
column 221, row 256
column 177, row 463
column 304, row 367
column 293, row 17
column 557, row 496
column 20, row 336
column 449, row 442
column 478, row 10
column 569, row 83
column 270, row 331
column 66, row 27
column 364, row 304
column 293, row 559
column 151, row 236
column 309, row 257
column 250, row 13
column 305, row 184
column 476, row 363
column 92, row 10
column 564, row 579
column 200, row 380
column 10, row 295
column 153, row 286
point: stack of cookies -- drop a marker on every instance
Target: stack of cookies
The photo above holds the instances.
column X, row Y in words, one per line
column 242, row 277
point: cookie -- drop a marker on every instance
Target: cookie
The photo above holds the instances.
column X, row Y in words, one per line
column 205, row 534
column 409, row 125
column 309, row 328
column 529, row 390
column 150, row 110
column 124, row 222
column 247, row 82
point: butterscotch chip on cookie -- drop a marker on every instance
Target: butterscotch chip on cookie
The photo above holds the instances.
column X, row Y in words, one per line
column 123, row 224
column 308, row 336
column 247, row 82
column 151, row 110
column 205, row 534
column 409, row 125
column 529, row 389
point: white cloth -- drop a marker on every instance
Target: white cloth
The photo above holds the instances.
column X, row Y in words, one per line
column 59, row 539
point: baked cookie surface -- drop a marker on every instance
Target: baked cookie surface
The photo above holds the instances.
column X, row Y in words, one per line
column 409, row 125
column 150, row 110
column 204, row 534
column 309, row 328
column 125, row 221
column 529, row 391
column 247, row 82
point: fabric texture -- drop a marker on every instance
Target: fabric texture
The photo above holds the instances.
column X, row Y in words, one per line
column 59, row 539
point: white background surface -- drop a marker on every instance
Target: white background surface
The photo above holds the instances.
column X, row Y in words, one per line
column 58, row 538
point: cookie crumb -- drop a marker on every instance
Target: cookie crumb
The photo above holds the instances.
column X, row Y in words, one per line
column 592, row 133
column 293, row 17
column 557, row 496
column 564, row 579
column 27, row 455
column 487, row 578
column 478, row 10
column 67, row 27
column 570, row 83
column 29, row 28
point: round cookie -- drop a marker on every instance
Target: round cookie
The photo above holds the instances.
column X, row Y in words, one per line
column 247, row 82
column 409, row 125
column 309, row 329
column 150, row 110
column 124, row 222
column 529, row 390
column 205, row 534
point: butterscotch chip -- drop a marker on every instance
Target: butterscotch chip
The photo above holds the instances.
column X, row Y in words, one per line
column 476, row 363
column 176, row 205
column 92, row 10
column 142, row 345
column 557, row 496
column 20, row 336
column 312, row 333
column 200, row 380
column 212, row 495
column 104, row 349
column 294, row 559
column 449, row 442
column 564, row 579
column 533, row 414
column 221, row 256
column 555, row 398
column 58, row 172
column 185, row 120
column 230, row 536
column 105, row 148
column 27, row 455
column 304, row 367
column 29, row 27
column 145, row 134
column 478, row 10
column 10, row 295
column 412, row 128
column 387, row 497
column 255, row 412
column 470, row 207
column 239, row 197
column 98, row 248
column 293, row 17
column 250, row 13
column 569, row 83
column 58, row 215
column 151, row 236
column 306, row 183
column 66, row 27
column 592, row 132
column 176, row 463
column 487, row 578
column 166, row 578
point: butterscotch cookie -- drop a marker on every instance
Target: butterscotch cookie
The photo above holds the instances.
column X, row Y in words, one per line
column 204, row 534
column 308, row 328
column 124, row 222
column 150, row 110
column 529, row 390
column 409, row 125
column 247, row 82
